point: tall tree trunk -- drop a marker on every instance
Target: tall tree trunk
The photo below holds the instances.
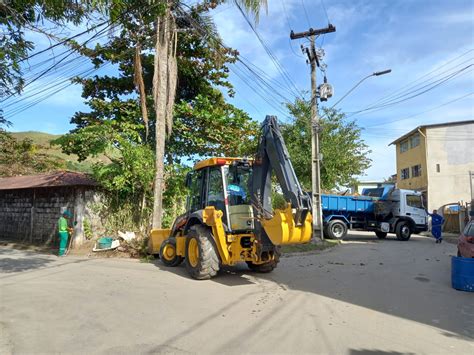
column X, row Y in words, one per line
column 164, row 91
column 138, row 79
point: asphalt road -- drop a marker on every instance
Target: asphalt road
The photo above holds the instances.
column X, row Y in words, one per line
column 365, row 296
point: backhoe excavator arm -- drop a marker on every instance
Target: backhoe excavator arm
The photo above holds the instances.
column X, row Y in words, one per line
column 292, row 225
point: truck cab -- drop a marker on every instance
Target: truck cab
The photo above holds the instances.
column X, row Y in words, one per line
column 408, row 206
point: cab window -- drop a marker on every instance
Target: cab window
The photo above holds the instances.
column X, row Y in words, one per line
column 237, row 185
column 195, row 191
column 215, row 195
column 414, row 201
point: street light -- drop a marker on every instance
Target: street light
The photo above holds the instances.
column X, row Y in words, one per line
column 377, row 73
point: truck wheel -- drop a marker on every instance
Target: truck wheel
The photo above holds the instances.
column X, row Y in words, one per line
column 336, row 229
column 202, row 261
column 403, row 231
column 168, row 253
column 381, row 235
column 266, row 267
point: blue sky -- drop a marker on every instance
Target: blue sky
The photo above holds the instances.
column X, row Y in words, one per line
column 413, row 38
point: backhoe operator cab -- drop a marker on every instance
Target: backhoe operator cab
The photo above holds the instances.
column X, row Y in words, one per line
column 228, row 216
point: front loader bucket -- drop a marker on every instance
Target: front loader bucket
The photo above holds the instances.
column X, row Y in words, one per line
column 157, row 236
column 281, row 229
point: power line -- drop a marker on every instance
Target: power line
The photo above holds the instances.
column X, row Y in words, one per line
column 261, row 82
column 423, row 112
column 57, row 63
column 289, row 28
column 411, row 84
column 273, row 58
column 62, row 42
column 325, row 11
column 399, row 100
column 306, row 13
column 411, row 88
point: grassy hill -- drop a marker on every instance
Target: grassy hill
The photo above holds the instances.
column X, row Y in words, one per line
column 43, row 142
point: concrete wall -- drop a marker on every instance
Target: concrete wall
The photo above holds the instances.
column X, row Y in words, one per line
column 410, row 158
column 31, row 215
column 452, row 147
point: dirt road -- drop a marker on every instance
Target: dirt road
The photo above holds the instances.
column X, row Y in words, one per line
column 364, row 296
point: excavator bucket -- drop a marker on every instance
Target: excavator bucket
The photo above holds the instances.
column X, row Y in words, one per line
column 157, row 236
column 281, row 229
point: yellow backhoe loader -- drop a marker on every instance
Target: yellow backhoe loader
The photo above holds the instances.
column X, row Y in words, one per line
column 229, row 216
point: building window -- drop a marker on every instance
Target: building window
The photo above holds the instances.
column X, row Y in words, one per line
column 404, row 146
column 416, row 170
column 415, row 140
column 405, row 174
column 438, row 168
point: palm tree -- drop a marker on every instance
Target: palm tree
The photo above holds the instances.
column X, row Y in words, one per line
column 164, row 84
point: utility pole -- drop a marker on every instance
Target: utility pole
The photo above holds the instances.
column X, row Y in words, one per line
column 315, row 126
column 471, row 182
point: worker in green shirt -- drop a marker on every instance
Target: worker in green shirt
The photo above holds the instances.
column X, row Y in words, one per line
column 63, row 231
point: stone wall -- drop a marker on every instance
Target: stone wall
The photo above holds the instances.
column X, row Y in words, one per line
column 31, row 215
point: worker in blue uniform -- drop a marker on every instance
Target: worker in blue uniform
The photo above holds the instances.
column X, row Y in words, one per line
column 436, row 224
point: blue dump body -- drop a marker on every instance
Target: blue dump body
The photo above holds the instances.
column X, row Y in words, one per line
column 348, row 205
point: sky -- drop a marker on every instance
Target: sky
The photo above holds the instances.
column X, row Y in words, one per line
column 423, row 42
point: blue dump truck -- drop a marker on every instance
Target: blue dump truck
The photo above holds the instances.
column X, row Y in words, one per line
column 382, row 210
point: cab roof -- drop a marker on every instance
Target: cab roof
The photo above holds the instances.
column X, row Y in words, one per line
column 216, row 161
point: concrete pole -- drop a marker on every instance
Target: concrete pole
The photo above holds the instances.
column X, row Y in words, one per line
column 471, row 182
column 315, row 153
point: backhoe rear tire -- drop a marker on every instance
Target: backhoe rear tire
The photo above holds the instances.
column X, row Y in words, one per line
column 202, row 260
column 168, row 253
column 266, row 267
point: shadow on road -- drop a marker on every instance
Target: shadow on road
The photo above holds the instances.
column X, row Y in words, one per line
column 228, row 276
column 10, row 262
column 375, row 352
column 373, row 239
column 410, row 280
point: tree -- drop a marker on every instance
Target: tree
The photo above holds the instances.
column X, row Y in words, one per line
column 345, row 154
column 164, row 86
column 204, row 123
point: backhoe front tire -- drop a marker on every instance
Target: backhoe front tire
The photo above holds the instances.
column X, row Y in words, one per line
column 266, row 267
column 381, row 235
column 202, row 261
column 168, row 253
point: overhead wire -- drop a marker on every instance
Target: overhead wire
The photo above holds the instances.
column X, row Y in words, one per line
column 258, row 85
column 57, row 81
column 57, row 64
column 273, row 58
column 289, row 28
column 306, row 13
column 412, row 84
column 411, row 89
column 431, row 86
column 423, row 112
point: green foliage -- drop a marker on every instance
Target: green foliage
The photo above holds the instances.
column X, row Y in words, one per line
column 21, row 157
column 174, row 197
column 204, row 128
column 87, row 229
column 344, row 151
